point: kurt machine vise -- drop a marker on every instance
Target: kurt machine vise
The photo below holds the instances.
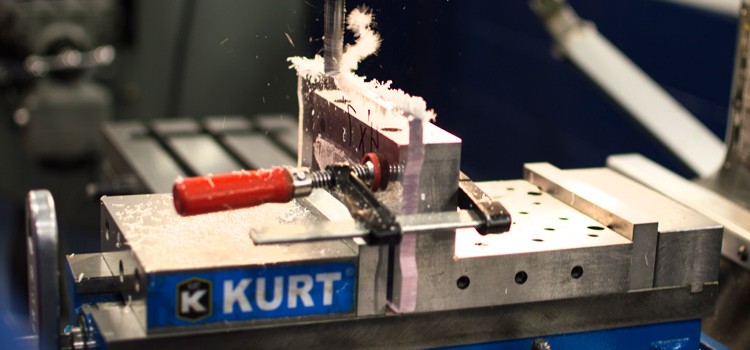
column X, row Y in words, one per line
column 359, row 248
column 330, row 261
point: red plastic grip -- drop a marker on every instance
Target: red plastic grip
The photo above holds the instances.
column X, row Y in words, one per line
column 238, row 189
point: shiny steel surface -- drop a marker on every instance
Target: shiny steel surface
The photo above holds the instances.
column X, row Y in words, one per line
column 541, row 223
column 162, row 240
column 637, row 226
column 689, row 242
column 91, row 273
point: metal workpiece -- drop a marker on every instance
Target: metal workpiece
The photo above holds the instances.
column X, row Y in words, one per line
column 336, row 130
column 631, row 88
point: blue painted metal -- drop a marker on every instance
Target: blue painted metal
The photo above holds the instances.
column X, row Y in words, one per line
column 682, row 335
column 183, row 299
column 708, row 343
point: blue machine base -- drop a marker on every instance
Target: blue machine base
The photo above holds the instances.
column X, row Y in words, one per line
column 683, row 335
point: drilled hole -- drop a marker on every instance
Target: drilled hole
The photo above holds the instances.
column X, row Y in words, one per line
column 537, row 240
column 523, row 212
column 595, row 228
column 510, row 189
column 463, row 282
column 521, row 277
column 534, row 193
column 564, row 219
column 576, row 272
column 593, row 235
column 549, row 229
column 537, row 203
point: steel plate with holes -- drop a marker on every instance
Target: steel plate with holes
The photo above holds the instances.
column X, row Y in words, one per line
column 540, row 223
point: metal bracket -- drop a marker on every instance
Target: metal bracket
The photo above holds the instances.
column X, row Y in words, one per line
column 377, row 225
column 377, row 219
column 495, row 219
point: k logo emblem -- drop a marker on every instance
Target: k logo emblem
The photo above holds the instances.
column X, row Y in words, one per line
column 193, row 299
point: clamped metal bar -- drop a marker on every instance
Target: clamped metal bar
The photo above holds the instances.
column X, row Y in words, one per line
column 379, row 221
column 495, row 217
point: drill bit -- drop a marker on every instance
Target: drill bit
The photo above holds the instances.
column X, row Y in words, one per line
column 334, row 36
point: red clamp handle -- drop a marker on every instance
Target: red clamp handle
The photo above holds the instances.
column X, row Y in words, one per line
column 238, row 189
